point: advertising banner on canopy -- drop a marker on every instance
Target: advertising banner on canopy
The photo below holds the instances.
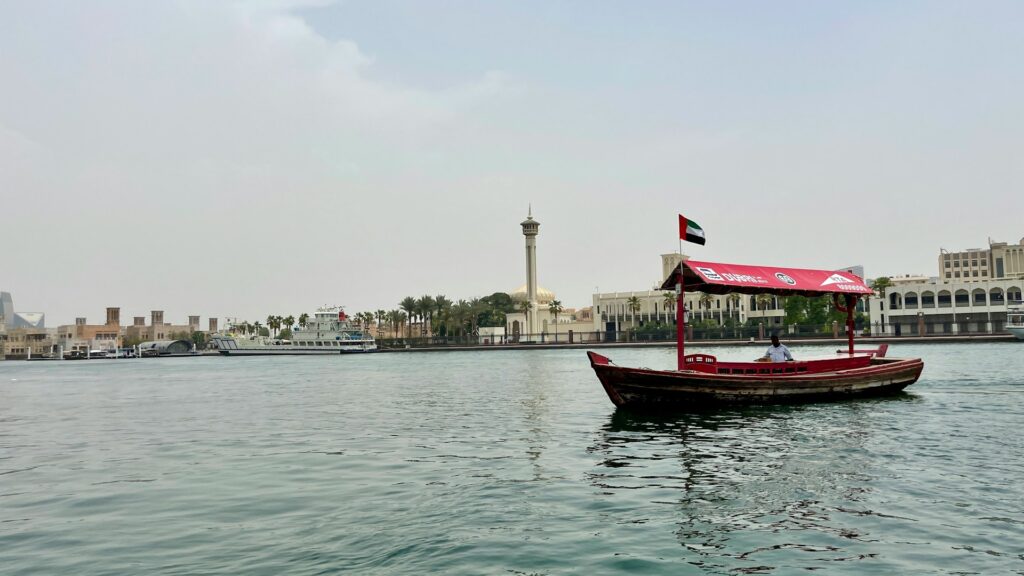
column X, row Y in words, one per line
column 718, row 278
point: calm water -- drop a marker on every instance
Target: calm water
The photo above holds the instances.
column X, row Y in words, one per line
column 499, row 463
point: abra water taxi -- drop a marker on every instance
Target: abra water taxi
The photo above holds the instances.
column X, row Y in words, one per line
column 330, row 331
column 702, row 380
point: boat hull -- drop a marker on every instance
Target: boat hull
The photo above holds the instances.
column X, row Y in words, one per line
column 639, row 387
column 1017, row 331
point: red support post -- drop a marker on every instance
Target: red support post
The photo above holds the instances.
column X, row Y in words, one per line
column 851, row 305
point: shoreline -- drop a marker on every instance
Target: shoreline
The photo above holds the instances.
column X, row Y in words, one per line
column 840, row 342
column 984, row 338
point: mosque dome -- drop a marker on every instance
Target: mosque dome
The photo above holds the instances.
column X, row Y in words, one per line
column 544, row 296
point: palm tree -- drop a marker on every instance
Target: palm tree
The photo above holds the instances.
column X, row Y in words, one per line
column 555, row 308
column 734, row 299
column 408, row 305
column 633, row 305
column 524, row 307
column 303, row 319
column 880, row 285
column 289, row 321
column 442, row 306
column 763, row 301
column 404, row 320
column 705, row 301
column 273, row 324
column 381, row 316
column 256, row 328
column 425, row 304
column 669, row 303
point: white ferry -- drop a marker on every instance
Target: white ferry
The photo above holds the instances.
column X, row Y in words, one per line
column 329, row 331
column 1015, row 322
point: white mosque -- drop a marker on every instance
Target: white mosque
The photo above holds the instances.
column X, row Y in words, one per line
column 538, row 322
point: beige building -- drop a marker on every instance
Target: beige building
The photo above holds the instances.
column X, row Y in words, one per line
column 158, row 329
column 84, row 336
column 21, row 343
column 999, row 261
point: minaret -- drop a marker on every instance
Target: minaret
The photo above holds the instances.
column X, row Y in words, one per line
column 530, row 229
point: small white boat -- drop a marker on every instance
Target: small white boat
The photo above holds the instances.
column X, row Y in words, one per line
column 329, row 332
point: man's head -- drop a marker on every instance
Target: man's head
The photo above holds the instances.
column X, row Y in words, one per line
column 775, row 339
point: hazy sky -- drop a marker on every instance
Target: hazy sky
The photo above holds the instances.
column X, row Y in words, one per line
column 241, row 159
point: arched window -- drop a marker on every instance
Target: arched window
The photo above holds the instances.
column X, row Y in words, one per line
column 945, row 299
column 927, row 299
column 978, row 297
column 962, row 298
column 995, row 297
column 910, row 300
column 894, row 301
column 1013, row 295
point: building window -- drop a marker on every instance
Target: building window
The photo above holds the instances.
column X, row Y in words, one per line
column 947, row 263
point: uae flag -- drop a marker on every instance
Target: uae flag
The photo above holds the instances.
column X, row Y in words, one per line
column 690, row 231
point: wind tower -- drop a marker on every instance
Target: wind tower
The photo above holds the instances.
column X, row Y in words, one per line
column 530, row 229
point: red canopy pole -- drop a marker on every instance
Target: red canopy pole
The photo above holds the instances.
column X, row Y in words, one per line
column 680, row 322
column 851, row 305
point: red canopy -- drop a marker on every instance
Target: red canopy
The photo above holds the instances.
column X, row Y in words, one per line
column 715, row 278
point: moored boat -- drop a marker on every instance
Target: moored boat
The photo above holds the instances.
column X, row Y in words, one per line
column 700, row 379
column 1015, row 322
column 329, row 331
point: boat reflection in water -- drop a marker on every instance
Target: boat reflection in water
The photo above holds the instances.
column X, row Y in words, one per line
column 772, row 489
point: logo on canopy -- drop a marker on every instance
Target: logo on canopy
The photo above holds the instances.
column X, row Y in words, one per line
column 836, row 279
column 709, row 274
column 785, row 278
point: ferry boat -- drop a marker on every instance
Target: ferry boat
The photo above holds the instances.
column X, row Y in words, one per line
column 329, row 331
column 1015, row 322
column 701, row 379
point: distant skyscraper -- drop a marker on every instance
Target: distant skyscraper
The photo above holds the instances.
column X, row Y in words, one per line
column 6, row 309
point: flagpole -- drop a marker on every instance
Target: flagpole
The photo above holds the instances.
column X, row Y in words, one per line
column 680, row 315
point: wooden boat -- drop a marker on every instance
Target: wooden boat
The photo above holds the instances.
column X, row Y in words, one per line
column 700, row 379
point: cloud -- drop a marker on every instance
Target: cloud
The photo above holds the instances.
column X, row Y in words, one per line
column 207, row 123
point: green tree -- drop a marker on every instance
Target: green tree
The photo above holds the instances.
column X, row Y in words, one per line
column 382, row 317
column 633, row 305
column 303, row 319
column 274, row 323
column 408, row 305
column 199, row 340
column 880, row 285
column 425, row 307
column 524, row 307
column 669, row 303
column 285, row 334
column 734, row 299
column 705, row 301
column 289, row 321
column 555, row 307
column 442, row 312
